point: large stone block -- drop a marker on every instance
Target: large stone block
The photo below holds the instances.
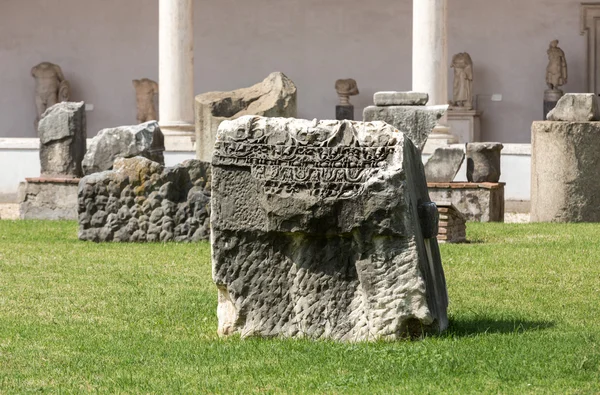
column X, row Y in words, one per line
column 483, row 162
column 565, row 164
column 142, row 201
column 416, row 122
column 323, row 230
column 576, row 107
column 145, row 139
column 48, row 198
column 479, row 202
column 275, row 96
column 62, row 133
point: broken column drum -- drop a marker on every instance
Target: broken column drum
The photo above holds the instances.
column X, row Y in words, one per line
column 325, row 230
column 483, row 162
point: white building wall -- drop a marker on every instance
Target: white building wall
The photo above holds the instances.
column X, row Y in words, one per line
column 103, row 45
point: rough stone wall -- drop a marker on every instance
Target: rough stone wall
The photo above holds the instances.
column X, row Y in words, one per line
column 323, row 230
column 140, row 201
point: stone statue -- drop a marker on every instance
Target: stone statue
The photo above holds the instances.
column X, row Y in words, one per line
column 462, row 95
column 345, row 89
column 556, row 72
column 145, row 90
column 51, row 87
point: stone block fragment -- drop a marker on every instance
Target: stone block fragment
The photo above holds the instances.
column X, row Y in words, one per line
column 145, row 139
column 392, row 98
column 142, row 201
column 576, row 107
column 565, row 164
column 444, row 164
column 416, row 122
column 325, row 230
column 62, row 133
column 275, row 96
column 483, row 162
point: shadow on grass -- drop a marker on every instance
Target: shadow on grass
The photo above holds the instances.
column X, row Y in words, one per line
column 484, row 325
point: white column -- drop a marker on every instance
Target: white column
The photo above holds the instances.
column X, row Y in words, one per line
column 176, row 73
column 430, row 58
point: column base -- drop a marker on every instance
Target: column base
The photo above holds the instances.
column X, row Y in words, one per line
column 439, row 137
column 179, row 136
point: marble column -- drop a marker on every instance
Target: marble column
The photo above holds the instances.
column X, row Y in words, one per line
column 430, row 60
column 176, row 73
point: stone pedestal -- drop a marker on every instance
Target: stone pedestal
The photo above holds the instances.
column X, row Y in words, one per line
column 465, row 124
column 551, row 98
column 480, row 202
column 565, row 164
column 48, row 198
column 344, row 112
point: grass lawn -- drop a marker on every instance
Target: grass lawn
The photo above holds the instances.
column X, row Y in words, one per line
column 140, row 318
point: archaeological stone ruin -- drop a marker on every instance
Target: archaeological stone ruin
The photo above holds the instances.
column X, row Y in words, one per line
column 275, row 96
column 565, row 162
column 325, row 230
column 141, row 201
column 53, row 195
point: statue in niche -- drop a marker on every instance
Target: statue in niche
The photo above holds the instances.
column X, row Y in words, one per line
column 145, row 90
column 345, row 89
column 556, row 72
column 462, row 94
column 51, row 87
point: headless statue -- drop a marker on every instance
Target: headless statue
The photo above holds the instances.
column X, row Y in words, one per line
column 145, row 90
column 51, row 87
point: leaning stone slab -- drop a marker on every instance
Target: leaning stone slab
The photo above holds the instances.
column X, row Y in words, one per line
column 392, row 98
column 444, row 164
column 273, row 97
column 576, row 107
column 144, row 139
column 140, row 201
column 323, row 230
column 62, row 133
column 416, row 122
column 565, row 164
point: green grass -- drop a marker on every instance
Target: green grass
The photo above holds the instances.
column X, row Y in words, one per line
column 140, row 318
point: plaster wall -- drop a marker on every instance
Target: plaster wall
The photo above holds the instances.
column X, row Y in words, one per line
column 103, row 45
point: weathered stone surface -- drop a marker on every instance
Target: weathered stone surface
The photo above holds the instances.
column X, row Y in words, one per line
column 416, row 122
column 62, row 133
column 273, row 97
column 482, row 202
column 323, row 230
column 565, row 164
column 483, row 162
column 142, row 201
column 576, row 107
column 144, row 139
column 444, row 164
column 391, row 98
column 48, row 199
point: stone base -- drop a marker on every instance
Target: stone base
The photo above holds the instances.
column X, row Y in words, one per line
column 465, row 124
column 452, row 225
column 48, row 198
column 480, row 202
column 180, row 137
column 344, row 112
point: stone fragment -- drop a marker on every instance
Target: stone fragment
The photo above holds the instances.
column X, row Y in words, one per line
column 275, row 96
column 144, row 139
column 62, row 133
column 477, row 202
column 323, row 229
column 576, row 107
column 565, row 164
column 444, row 164
column 48, row 199
column 139, row 201
column 416, row 122
column 392, row 98
column 483, row 162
